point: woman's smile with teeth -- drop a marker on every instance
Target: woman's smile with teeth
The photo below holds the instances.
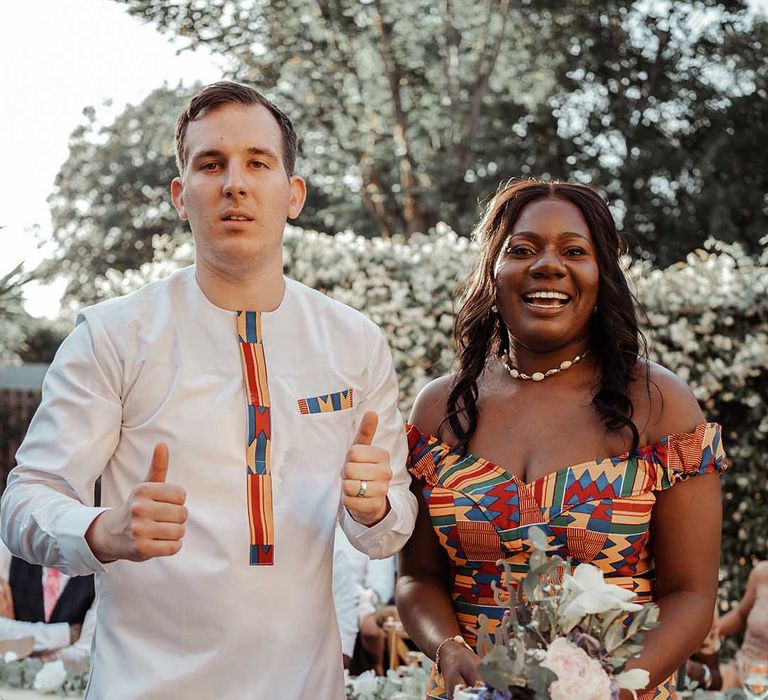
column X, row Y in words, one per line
column 546, row 300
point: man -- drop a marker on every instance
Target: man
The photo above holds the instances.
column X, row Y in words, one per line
column 56, row 611
column 220, row 407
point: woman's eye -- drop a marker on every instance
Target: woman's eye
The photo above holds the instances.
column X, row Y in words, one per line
column 519, row 250
column 575, row 252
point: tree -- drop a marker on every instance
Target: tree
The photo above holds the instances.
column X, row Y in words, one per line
column 416, row 109
column 412, row 112
column 111, row 197
column 14, row 320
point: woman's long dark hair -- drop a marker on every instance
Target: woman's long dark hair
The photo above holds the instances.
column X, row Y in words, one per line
column 614, row 337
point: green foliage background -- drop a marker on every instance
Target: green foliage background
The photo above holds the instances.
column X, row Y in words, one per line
column 411, row 113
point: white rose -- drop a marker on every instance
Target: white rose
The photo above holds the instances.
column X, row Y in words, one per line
column 50, row 677
column 634, row 679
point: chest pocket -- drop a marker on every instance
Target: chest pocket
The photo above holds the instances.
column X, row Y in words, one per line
column 326, row 403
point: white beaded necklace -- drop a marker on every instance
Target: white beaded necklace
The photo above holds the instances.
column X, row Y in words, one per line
column 538, row 376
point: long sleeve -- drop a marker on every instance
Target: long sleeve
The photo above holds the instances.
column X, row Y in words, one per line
column 388, row 536
column 76, row 655
column 48, row 636
column 48, row 503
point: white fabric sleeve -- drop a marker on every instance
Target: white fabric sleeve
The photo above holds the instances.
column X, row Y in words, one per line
column 380, row 576
column 48, row 503
column 5, row 561
column 388, row 536
column 75, row 655
column 48, row 636
column 345, row 594
column 367, row 604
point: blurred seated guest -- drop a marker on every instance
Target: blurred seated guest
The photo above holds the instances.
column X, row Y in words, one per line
column 704, row 665
column 375, row 584
column 58, row 611
column 345, row 598
column 750, row 615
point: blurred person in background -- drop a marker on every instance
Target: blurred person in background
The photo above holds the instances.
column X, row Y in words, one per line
column 57, row 611
column 749, row 615
column 374, row 581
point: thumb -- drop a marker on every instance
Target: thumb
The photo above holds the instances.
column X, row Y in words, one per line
column 158, row 470
column 367, row 429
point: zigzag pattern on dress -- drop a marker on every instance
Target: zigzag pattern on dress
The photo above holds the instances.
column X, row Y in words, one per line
column 598, row 511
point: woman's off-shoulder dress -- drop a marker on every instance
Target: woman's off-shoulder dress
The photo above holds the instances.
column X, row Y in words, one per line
column 597, row 512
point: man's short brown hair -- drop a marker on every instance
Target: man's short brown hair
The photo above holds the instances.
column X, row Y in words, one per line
column 224, row 92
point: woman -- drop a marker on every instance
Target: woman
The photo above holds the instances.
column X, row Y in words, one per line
column 549, row 376
column 750, row 615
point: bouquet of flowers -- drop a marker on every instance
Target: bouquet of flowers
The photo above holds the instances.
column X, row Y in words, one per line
column 563, row 635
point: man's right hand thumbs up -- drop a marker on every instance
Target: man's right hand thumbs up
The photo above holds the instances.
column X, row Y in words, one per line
column 149, row 524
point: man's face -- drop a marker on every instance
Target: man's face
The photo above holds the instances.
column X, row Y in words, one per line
column 235, row 191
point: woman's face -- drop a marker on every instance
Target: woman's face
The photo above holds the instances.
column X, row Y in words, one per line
column 547, row 277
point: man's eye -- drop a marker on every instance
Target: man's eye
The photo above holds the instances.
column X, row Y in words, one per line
column 258, row 164
column 209, row 166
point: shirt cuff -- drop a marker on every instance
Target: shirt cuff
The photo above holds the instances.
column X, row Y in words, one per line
column 58, row 634
column 70, row 538
column 369, row 535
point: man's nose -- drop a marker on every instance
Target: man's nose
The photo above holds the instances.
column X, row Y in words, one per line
column 234, row 184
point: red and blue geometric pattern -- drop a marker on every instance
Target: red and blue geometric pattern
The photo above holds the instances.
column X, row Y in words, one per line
column 257, row 454
column 598, row 512
column 337, row 401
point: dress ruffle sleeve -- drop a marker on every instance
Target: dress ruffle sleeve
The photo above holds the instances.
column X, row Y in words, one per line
column 425, row 453
column 681, row 456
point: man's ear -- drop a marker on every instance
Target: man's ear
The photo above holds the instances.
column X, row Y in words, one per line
column 298, row 196
column 177, row 197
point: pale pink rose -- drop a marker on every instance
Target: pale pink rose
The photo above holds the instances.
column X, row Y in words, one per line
column 578, row 675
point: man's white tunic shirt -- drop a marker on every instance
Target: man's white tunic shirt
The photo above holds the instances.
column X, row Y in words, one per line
column 163, row 365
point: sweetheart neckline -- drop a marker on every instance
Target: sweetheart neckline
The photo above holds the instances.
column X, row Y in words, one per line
column 621, row 456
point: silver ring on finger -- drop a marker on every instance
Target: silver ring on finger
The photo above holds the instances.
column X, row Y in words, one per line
column 363, row 489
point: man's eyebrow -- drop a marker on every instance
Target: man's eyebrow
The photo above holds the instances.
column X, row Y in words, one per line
column 216, row 153
column 262, row 151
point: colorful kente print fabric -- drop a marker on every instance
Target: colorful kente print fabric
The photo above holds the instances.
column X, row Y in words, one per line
column 257, row 455
column 597, row 512
column 338, row 401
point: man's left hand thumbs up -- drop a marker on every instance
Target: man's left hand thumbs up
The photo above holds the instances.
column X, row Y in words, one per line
column 366, row 475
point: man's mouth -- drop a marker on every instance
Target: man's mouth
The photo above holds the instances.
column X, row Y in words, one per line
column 547, row 299
column 234, row 215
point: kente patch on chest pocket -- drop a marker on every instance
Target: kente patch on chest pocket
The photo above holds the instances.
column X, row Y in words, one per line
column 326, row 403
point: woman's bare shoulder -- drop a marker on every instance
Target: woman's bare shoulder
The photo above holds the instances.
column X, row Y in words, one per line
column 664, row 400
column 429, row 409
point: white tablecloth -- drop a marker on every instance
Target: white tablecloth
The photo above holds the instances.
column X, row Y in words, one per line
column 16, row 694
